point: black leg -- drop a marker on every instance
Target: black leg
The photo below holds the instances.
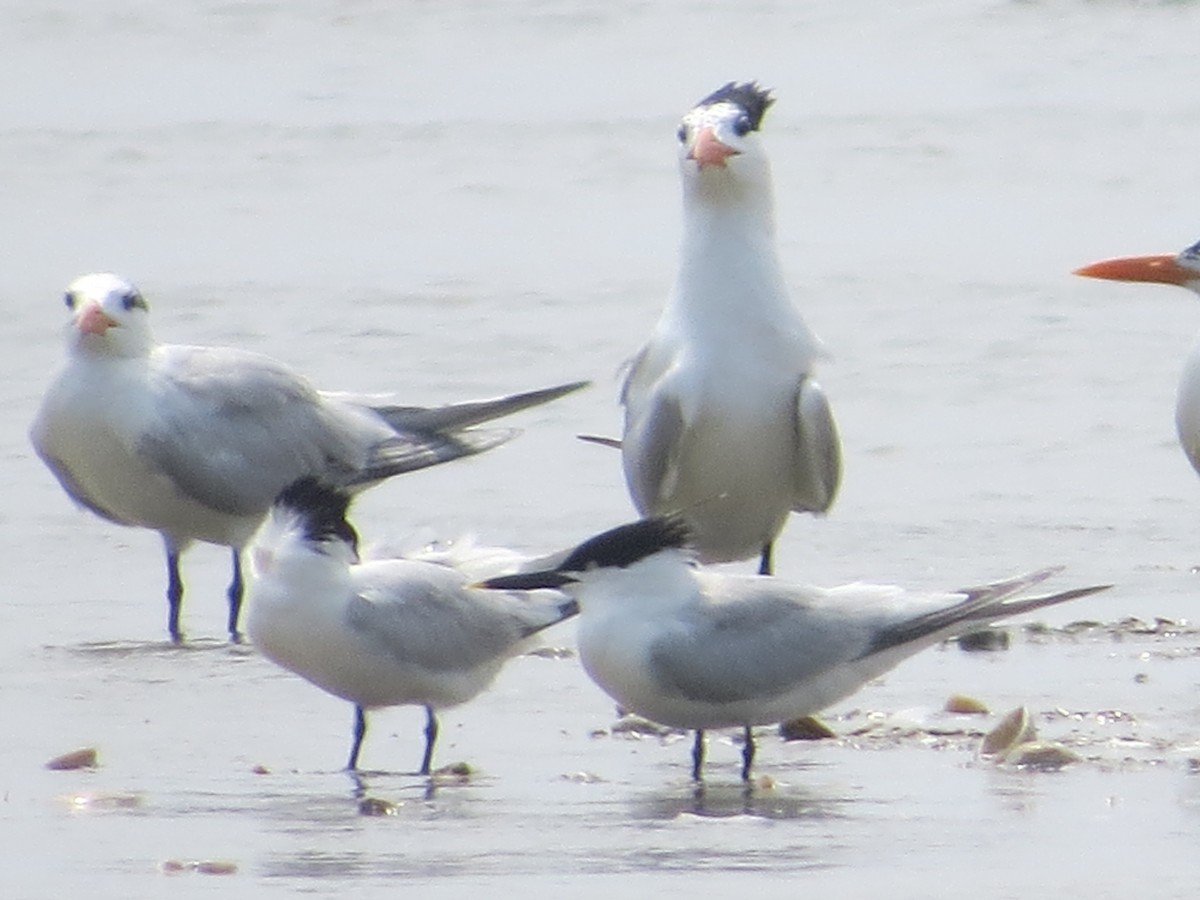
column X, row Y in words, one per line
column 747, row 754
column 698, row 755
column 174, row 595
column 764, row 561
column 431, row 733
column 360, row 732
column 236, row 589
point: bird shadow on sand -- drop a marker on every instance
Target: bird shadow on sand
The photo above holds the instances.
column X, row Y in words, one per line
column 123, row 649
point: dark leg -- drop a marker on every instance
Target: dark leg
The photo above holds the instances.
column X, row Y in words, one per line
column 747, row 754
column 174, row 595
column 764, row 561
column 236, row 588
column 698, row 755
column 360, row 732
column 431, row 733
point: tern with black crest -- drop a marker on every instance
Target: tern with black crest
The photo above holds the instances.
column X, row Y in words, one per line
column 697, row 649
column 724, row 421
column 383, row 632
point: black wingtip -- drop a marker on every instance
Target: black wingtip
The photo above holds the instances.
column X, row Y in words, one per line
column 321, row 507
column 751, row 97
column 626, row 544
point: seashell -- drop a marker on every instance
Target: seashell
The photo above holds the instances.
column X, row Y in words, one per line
column 1014, row 728
column 808, row 728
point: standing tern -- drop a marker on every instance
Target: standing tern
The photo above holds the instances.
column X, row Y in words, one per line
column 723, row 419
column 196, row 442
column 381, row 632
column 1182, row 269
column 695, row 649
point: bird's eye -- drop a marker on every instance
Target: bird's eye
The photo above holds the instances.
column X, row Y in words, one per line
column 69, row 299
column 132, row 299
column 742, row 126
column 682, row 134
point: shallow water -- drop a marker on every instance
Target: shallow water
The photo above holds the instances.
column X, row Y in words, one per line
column 461, row 202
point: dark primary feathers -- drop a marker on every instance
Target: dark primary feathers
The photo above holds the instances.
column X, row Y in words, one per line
column 626, row 544
column 754, row 100
column 982, row 606
column 321, row 508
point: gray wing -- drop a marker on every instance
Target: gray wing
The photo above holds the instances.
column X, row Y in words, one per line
column 818, row 469
column 232, row 428
column 761, row 646
column 654, row 433
column 431, row 619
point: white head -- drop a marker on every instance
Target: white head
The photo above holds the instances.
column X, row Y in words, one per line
column 109, row 317
column 721, row 156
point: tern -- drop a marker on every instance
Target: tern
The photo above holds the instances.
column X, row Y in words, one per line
column 1181, row 269
column 696, row 649
column 382, row 632
column 196, row 442
column 724, row 421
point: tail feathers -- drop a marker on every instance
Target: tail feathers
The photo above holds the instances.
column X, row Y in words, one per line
column 413, row 451
column 601, row 440
column 983, row 605
column 456, row 416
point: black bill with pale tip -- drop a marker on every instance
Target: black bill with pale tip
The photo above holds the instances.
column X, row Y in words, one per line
column 616, row 548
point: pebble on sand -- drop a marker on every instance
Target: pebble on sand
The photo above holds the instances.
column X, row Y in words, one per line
column 962, row 704
column 984, row 640
column 373, row 806
column 84, row 758
column 1044, row 756
column 202, row 866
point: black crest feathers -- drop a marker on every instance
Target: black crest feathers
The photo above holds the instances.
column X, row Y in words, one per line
column 753, row 100
column 626, row 544
column 321, row 508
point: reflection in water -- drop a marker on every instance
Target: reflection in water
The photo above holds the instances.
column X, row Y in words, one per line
column 377, row 806
column 720, row 801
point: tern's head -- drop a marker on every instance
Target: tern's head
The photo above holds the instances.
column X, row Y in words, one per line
column 308, row 516
column 613, row 551
column 109, row 316
column 1182, row 269
column 719, row 139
